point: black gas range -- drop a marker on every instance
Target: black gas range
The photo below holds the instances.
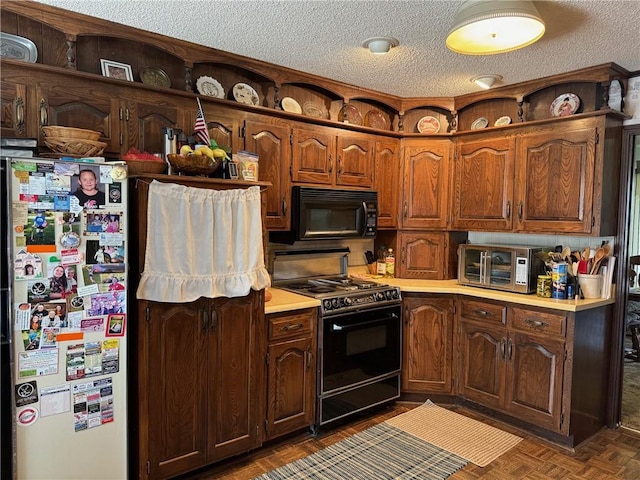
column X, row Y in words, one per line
column 341, row 293
column 359, row 332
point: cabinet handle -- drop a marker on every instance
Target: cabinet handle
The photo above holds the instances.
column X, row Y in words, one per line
column 284, row 206
column 205, row 325
column 330, row 164
column 483, row 313
column 536, row 323
column 126, row 114
column 510, row 348
column 503, row 348
column 214, row 320
column 339, row 164
column 44, row 116
column 509, row 209
column 296, row 326
column 404, row 255
column 520, row 208
column 404, row 210
column 308, row 355
column 19, row 113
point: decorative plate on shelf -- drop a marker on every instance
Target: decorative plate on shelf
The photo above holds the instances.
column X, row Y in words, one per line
column 244, row 93
column 350, row 114
column 506, row 120
column 155, row 76
column 210, row 87
column 565, row 104
column 428, row 124
column 317, row 110
column 375, row 119
column 289, row 104
column 17, row 48
column 479, row 123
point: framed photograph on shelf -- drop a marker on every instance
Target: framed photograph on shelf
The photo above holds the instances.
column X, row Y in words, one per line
column 118, row 70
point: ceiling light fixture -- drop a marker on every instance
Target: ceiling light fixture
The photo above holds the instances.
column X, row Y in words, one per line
column 380, row 45
column 486, row 27
column 486, row 81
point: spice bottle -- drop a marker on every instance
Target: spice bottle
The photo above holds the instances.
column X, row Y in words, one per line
column 390, row 262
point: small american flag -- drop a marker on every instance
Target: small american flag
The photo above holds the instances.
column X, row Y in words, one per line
column 200, row 129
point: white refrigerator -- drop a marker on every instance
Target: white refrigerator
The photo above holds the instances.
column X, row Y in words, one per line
column 65, row 298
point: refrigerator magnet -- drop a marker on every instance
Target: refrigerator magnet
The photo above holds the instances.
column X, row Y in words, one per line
column 70, row 239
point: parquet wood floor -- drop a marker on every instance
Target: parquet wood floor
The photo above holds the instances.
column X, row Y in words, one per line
column 610, row 454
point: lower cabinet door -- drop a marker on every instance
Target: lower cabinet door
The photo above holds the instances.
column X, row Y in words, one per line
column 534, row 382
column 291, row 386
column 176, row 389
column 428, row 339
column 482, row 368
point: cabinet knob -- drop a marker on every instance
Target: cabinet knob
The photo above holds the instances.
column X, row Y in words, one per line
column 509, row 209
column 214, row 320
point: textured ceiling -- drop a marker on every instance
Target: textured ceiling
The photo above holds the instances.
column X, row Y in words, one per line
column 324, row 37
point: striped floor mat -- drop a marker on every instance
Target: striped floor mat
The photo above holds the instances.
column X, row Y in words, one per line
column 382, row 452
column 472, row 440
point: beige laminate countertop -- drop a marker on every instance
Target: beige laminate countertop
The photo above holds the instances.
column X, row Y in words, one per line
column 283, row 301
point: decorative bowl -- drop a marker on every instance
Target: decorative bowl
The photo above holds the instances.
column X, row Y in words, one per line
column 75, row 146
column 70, row 132
column 139, row 167
column 194, row 164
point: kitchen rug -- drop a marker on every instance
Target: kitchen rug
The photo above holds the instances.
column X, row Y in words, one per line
column 381, row 452
column 472, row 440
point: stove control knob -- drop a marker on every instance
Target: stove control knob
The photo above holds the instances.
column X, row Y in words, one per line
column 327, row 304
column 336, row 302
column 380, row 296
column 346, row 301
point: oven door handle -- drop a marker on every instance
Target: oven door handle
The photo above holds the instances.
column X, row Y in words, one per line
column 336, row 327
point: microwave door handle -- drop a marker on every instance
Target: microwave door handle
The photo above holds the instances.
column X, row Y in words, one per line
column 483, row 267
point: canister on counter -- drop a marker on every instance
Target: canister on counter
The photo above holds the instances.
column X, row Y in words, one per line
column 559, row 280
column 544, row 286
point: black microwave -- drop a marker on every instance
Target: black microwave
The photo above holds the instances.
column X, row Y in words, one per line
column 327, row 214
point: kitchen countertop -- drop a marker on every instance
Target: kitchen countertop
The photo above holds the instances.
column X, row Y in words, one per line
column 283, row 301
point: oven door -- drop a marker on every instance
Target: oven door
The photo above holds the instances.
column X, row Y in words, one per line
column 360, row 347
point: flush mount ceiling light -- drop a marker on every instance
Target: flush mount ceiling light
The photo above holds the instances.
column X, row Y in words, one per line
column 380, row 45
column 486, row 81
column 486, row 27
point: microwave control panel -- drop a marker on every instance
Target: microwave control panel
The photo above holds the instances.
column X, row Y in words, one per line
column 522, row 270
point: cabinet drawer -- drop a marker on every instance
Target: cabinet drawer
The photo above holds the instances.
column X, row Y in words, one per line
column 483, row 311
column 531, row 321
column 290, row 325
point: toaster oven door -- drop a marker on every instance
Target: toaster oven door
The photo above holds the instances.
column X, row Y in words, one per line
column 500, row 268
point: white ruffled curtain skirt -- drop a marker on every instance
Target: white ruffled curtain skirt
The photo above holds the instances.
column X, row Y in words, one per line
column 202, row 243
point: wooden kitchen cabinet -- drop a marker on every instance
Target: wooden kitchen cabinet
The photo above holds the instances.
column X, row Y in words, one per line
column 558, row 187
column 387, row 174
column 533, row 365
column 427, row 344
column 291, row 372
column 428, row 255
column 199, row 403
column 326, row 156
column 483, row 183
column 549, row 178
column 425, row 186
column 272, row 144
column 197, row 369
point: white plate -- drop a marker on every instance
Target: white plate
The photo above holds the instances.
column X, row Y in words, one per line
column 210, row 87
column 289, row 104
column 479, row 123
column 565, row 104
column 17, row 48
column 428, row 124
column 506, row 120
column 244, row 93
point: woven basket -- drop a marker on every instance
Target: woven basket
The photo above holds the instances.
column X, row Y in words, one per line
column 140, row 167
column 70, row 132
column 194, row 164
column 73, row 146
